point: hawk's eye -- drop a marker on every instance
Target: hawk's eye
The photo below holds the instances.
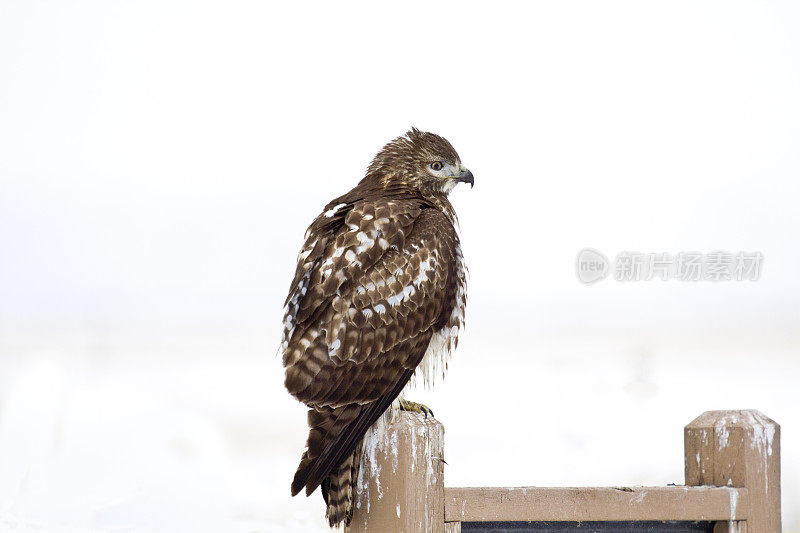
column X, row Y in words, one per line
column 437, row 166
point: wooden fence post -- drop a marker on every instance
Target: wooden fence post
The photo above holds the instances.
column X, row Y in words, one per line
column 401, row 482
column 738, row 449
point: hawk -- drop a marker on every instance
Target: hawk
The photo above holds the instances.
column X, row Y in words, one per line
column 379, row 291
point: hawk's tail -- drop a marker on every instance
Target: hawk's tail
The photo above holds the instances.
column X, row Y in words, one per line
column 334, row 444
column 339, row 489
column 339, row 482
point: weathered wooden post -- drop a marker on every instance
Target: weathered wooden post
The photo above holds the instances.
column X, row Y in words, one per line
column 401, row 482
column 738, row 449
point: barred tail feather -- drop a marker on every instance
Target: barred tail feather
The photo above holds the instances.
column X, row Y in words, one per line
column 325, row 425
column 339, row 489
column 336, row 432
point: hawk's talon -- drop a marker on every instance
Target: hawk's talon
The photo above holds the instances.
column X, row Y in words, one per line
column 414, row 407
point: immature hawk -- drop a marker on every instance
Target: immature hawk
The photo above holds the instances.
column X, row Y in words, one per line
column 380, row 285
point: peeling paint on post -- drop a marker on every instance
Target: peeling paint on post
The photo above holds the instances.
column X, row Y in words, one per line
column 401, row 482
column 738, row 449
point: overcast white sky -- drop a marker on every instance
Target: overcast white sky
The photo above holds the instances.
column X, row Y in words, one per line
column 155, row 154
column 160, row 161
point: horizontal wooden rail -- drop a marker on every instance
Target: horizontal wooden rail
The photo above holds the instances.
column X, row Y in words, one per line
column 489, row 504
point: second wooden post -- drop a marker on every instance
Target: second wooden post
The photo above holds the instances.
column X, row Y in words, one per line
column 738, row 449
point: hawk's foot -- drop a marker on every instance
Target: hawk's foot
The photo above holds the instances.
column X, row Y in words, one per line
column 414, row 407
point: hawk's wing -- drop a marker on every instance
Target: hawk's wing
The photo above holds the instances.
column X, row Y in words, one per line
column 366, row 300
column 341, row 244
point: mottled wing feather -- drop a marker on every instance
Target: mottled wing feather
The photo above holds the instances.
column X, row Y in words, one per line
column 340, row 245
column 347, row 353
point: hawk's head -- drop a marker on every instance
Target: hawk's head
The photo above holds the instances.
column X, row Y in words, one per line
column 419, row 160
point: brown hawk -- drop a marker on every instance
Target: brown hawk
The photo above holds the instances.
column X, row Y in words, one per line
column 380, row 286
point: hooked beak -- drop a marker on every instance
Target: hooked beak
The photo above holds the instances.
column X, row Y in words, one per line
column 467, row 177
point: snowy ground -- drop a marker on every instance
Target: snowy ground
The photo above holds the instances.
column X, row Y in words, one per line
column 197, row 434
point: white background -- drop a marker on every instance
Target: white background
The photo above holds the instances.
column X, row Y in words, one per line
column 160, row 161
